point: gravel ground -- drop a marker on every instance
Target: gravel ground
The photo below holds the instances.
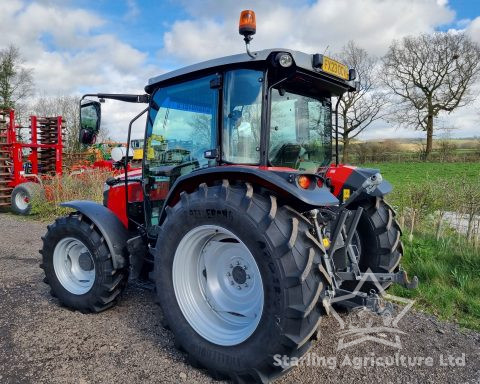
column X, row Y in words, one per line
column 41, row 342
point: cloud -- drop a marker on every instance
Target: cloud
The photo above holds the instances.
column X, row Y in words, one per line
column 67, row 53
column 311, row 27
column 473, row 29
column 132, row 10
column 71, row 52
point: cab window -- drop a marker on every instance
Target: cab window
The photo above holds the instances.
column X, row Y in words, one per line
column 242, row 116
column 182, row 124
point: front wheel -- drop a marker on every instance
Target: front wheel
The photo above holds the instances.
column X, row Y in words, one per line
column 78, row 265
column 239, row 281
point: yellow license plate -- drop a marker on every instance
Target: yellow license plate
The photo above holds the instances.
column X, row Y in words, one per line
column 335, row 68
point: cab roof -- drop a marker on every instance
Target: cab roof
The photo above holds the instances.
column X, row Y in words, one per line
column 302, row 61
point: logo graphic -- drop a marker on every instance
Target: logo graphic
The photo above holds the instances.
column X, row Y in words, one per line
column 365, row 325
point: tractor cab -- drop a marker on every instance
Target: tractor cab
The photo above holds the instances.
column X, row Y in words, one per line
column 270, row 110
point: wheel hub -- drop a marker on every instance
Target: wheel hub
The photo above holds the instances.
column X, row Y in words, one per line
column 74, row 266
column 85, row 261
column 218, row 285
column 239, row 275
column 21, row 200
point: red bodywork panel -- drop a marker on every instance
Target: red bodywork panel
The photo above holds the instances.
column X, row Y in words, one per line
column 116, row 195
column 339, row 175
column 116, row 199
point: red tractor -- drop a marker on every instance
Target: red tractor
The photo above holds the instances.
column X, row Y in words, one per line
column 237, row 215
column 25, row 161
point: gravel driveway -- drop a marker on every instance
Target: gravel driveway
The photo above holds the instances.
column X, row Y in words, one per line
column 41, row 342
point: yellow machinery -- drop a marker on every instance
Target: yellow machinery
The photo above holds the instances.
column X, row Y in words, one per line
column 137, row 146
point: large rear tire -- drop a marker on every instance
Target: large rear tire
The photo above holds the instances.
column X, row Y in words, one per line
column 78, row 265
column 237, row 333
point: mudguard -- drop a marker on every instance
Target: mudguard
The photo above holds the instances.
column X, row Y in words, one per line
column 351, row 178
column 111, row 228
column 282, row 182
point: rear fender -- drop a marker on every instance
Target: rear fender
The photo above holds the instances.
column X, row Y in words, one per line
column 282, row 183
column 111, row 228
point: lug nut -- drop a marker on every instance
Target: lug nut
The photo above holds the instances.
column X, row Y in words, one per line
column 248, row 276
column 231, row 282
column 246, row 285
column 238, row 287
column 228, row 274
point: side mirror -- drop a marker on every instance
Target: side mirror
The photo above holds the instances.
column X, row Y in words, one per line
column 90, row 116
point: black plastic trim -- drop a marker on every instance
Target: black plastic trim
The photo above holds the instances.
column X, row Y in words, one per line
column 280, row 182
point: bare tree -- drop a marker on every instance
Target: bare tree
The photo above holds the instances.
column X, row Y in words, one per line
column 357, row 110
column 16, row 81
column 66, row 106
column 430, row 74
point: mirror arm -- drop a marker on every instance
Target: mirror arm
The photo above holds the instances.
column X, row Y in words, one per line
column 121, row 97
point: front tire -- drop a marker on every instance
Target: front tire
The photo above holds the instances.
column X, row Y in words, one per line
column 284, row 300
column 78, row 265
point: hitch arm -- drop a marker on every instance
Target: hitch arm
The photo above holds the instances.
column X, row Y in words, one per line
column 399, row 277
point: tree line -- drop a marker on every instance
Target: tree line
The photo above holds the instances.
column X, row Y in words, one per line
column 418, row 79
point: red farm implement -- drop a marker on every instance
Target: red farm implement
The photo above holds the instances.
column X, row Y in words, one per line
column 27, row 154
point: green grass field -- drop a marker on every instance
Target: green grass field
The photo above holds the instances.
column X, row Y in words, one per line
column 401, row 173
column 448, row 269
column 449, row 274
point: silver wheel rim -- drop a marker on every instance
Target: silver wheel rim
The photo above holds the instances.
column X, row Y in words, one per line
column 218, row 285
column 74, row 266
column 21, row 201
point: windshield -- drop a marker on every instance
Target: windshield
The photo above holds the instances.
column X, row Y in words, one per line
column 300, row 131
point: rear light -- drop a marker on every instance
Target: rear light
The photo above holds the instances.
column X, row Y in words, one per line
column 320, row 183
column 303, row 181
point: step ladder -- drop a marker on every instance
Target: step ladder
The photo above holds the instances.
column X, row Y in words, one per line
column 6, row 161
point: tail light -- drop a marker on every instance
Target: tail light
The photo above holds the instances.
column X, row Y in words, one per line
column 304, row 181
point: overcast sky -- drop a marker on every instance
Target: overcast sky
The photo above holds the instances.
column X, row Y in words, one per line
column 80, row 46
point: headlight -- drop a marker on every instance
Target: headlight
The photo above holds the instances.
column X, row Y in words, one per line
column 284, row 59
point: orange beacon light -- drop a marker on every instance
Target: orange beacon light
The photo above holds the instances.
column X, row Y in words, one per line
column 247, row 25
